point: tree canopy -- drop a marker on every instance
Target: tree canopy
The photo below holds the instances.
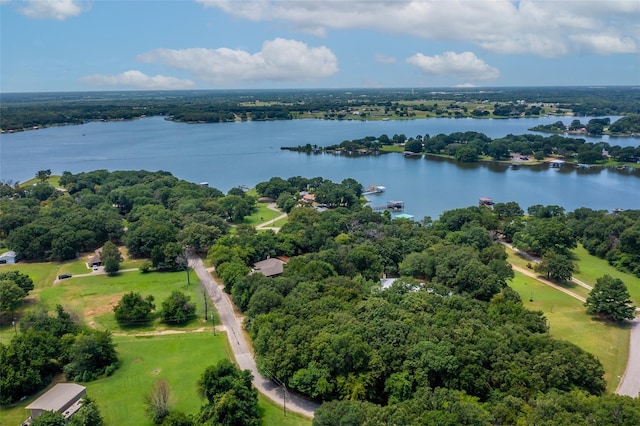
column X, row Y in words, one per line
column 610, row 298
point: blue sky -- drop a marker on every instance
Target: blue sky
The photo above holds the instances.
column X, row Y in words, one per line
column 70, row 45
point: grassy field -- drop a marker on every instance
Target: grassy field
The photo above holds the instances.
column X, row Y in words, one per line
column 93, row 297
column 590, row 268
column 180, row 359
column 262, row 214
column 272, row 414
column 569, row 321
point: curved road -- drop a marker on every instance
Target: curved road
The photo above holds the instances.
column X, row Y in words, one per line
column 240, row 347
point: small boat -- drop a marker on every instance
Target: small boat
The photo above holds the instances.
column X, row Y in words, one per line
column 374, row 189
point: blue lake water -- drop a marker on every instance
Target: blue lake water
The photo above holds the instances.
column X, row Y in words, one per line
column 232, row 154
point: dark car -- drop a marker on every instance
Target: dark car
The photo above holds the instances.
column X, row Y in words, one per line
column 63, row 276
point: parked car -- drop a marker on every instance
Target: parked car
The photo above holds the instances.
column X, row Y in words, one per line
column 63, row 276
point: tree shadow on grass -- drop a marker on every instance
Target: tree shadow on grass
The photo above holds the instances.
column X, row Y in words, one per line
column 610, row 323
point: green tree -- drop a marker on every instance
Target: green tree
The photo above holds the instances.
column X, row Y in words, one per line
column 231, row 399
column 49, row 418
column 111, row 266
column 556, row 266
column 177, row 308
column 133, row 309
column 91, row 354
column 610, row 297
column 43, row 175
column 22, row 280
column 543, row 234
column 466, row 154
column 110, row 258
column 413, row 145
column 10, row 296
column 198, row 236
column 87, row 415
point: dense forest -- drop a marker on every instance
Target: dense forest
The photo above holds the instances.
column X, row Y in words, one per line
column 26, row 111
column 448, row 342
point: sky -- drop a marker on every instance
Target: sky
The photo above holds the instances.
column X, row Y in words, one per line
column 73, row 45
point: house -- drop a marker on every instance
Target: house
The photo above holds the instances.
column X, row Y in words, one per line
column 8, row 258
column 307, row 198
column 270, row 267
column 64, row 398
column 95, row 260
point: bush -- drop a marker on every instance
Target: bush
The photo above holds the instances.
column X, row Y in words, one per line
column 177, row 308
column 133, row 309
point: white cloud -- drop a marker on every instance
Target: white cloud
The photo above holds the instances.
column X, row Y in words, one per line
column 542, row 27
column 605, row 44
column 279, row 60
column 384, row 59
column 134, row 79
column 465, row 65
column 53, row 9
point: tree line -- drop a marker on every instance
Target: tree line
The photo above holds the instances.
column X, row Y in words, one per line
column 22, row 111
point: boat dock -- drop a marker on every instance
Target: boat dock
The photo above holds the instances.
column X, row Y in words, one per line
column 392, row 205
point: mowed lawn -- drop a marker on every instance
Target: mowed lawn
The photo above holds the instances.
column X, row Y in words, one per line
column 180, row 359
column 569, row 321
column 93, row 297
column 590, row 268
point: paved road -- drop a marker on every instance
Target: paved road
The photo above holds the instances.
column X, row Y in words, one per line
column 240, row 347
column 630, row 383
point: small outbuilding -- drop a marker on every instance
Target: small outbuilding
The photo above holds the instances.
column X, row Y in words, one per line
column 64, row 398
column 8, row 258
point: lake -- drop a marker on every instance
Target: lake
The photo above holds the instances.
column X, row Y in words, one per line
column 246, row 153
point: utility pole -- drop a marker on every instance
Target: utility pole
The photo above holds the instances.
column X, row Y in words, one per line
column 206, row 310
column 213, row 323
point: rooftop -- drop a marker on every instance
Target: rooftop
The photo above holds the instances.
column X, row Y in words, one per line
column 58, row 397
